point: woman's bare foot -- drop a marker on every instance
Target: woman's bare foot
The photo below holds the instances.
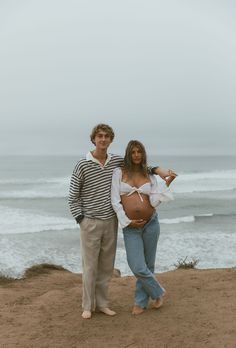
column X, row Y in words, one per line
column 158, row 303
column 86, row 315
column 107, row 311
column 137, row 310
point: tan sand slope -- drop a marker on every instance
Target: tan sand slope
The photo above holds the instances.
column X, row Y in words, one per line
column 44, row 310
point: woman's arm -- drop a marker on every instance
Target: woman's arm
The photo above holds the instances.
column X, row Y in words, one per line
column 115, row 199
column 164, row 173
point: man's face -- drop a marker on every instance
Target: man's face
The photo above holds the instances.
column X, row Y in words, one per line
column 102, row 140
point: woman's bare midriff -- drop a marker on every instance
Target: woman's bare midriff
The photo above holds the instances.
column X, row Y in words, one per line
column 136, row 209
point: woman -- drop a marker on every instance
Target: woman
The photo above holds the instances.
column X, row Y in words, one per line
column 135, row 194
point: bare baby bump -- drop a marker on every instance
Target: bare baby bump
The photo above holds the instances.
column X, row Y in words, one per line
column 135, row 208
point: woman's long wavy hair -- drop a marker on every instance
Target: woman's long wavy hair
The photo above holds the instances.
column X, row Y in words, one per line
column 128, row 164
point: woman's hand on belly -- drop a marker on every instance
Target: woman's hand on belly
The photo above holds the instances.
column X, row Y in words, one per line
column 135, row 209
column 137, row 223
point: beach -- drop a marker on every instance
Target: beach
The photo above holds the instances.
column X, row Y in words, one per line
column 43, row 309
column 37, row 227
column 79, row 81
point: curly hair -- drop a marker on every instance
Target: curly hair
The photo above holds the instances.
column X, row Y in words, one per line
column 102, row 127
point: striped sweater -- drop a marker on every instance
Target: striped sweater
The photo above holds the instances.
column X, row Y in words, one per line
column 90, row 188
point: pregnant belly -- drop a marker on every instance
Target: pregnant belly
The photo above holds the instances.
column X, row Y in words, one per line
column 135, row 208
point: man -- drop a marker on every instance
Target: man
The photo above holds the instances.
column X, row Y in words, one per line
column 90, row 204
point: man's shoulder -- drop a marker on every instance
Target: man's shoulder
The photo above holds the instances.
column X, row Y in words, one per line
column 115, row 161
column 82, row 162
column 115, row 157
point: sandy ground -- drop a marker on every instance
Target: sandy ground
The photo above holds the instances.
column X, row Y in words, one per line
column 44, row 310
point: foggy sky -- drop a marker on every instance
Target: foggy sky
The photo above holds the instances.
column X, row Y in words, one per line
column 162, row 72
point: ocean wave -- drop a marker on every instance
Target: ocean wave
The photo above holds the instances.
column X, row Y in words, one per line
column 29, row 181
column 59, row 187
column 60, row 193
column 217, row 174
column 34, row 194
column 177, row 220
column 16, row 220
column 205, row 182
column 194, row 218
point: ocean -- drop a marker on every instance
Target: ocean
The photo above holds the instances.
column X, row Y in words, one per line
column 36, row 225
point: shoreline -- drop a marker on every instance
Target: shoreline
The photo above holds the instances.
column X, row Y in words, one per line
column 44, row 310
column 46, row 268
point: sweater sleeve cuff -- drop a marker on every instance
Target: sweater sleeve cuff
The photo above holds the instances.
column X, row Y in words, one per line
column 79, row 218
column 153, row 169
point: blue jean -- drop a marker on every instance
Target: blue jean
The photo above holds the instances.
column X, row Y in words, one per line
column 141, row 245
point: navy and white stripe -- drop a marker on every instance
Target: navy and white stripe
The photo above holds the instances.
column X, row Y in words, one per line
column 90, row 188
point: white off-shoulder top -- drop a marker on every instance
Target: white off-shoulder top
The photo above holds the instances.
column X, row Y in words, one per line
column 157, row 192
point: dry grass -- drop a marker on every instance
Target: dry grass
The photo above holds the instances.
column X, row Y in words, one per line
column 5, row 280
column 43, row 268
column 186, row 264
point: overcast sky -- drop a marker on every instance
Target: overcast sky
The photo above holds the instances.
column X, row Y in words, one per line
column 163, row 72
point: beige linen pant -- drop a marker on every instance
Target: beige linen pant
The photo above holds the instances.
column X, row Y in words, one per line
column 98, row 247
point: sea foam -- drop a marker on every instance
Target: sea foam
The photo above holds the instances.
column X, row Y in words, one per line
column 16, row 220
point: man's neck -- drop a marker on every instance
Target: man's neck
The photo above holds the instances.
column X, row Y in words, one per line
column 101, row 156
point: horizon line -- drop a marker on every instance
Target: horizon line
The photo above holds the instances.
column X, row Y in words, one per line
column 151, row 154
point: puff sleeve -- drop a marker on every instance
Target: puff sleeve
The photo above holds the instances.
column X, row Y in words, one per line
column 159, row 192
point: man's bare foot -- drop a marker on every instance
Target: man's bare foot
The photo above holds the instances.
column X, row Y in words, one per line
column 107, row 311
column 158, row 303
column 137, row 310
column 86, row 315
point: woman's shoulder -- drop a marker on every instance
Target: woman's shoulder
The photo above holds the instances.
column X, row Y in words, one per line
column 152, row 178
column 154, row 181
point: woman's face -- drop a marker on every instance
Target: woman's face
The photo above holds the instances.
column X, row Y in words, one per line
column 136, row 155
